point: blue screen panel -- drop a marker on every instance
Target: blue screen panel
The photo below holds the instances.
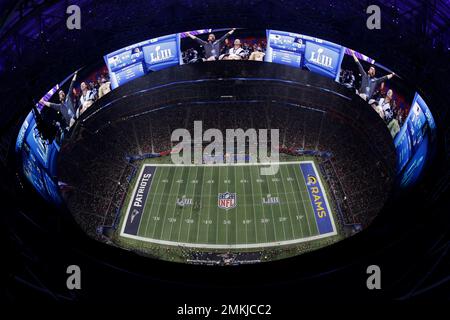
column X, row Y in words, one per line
column 418, row 101
column 127, row 74
column 39, row 164
column 138, row 59
column 321, row 56
column 51, row 188
column 124, row 59
column 402, row 145
column 323, row 59
column 23, row 130
column 38, row 147
column 287, row 58
column 286, row 41
column 413, row 142
column 415, row 165
column 161, row 54
column 284, row 48
column 416, row 126
column 32, row 170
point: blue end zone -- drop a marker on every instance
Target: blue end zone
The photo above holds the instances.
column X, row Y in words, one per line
column 322, row 212
column 137, row 203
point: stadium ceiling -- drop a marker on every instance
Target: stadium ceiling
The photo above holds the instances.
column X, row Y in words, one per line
column 428, row 17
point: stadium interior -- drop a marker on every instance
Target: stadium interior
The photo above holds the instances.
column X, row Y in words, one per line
column 310, row 119
column 319, row 117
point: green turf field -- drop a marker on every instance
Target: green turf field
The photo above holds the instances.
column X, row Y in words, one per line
column 179, row 206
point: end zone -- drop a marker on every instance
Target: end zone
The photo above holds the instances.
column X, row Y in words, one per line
column 136, row 206
column 318, row 197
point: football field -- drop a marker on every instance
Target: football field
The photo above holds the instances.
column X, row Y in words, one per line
column 227, row 206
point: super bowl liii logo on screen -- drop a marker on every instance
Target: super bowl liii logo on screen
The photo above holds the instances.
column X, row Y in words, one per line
column 160, row 54
column 321, row 59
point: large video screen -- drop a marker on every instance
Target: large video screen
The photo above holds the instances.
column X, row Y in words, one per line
column 411, row 125
column 141, row 58
column 39, row 161
column 414, row 140
column 38, row 156
column 297, row 50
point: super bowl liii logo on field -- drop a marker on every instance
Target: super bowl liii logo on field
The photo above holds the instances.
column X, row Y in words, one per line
column 226, row 200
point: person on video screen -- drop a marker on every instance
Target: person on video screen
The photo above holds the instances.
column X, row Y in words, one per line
column 387, row 105
column 87, row 98
column 104, row 86
column 65, row 106
column 211, row 46
column 368, row 81
column 236, row 52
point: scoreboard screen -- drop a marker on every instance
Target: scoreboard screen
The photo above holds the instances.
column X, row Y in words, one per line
column 297, row 50
column 284, row 48
column 413, row 142
column 38, row 157
column 32, row 170
column 126, row 74
column 161, row 54
column 287, row 58
column 141, row 58
column 286, row 41
column 38, row 160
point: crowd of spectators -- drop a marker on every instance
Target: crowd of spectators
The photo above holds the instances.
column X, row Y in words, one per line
column 227, row 258
column 98, row 174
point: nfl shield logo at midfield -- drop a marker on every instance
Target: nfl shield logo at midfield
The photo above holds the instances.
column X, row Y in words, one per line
column 226, row 200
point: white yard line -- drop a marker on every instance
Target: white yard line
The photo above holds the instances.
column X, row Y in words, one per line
column 287, row 202
column 272, row 209
column 176, row 195
column 209, row 212
column 297, row 216
column 192, row 206
column 217, row 215
column 200, row 207
column 245, row 212
column 254, row 207
column 169, row 194
column 262, row 206
column 159, row 205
